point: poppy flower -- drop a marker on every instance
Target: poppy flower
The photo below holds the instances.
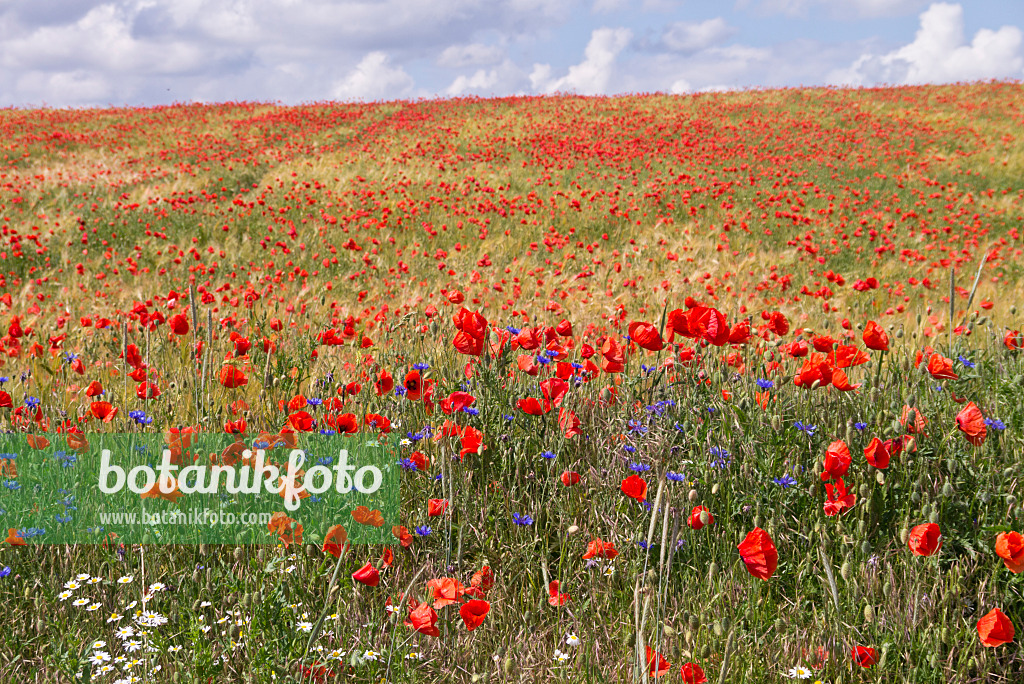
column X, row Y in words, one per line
column 864, row 656
column 375, row 420
column 139, row 374
column 530, row 406
column 837, row 460
column 972, row 424
column 564, row 328
column 1010, row 547
column 656, row 663
column 456, row 401
column 178, row 324
column 133, row 357
column 878, row 452
column 912, row 420
column 436, row 507
column 473, row 613
column 423, row 619
column 402, row 535
column 483, row 579
column 1013, row 340
column 164, row 488
column 569, row 423
column 995, row 629
column 693, row 674
column 600, row 549
column 554, row 391
column 875, row 337
column 301, row 421
column 694, row 521
column 472, row 327
column 941, row 368
column 635, row 487
column 232, row 377
column 555, row 598
column 570, row 477
column 334, row 540
column 759, row 554
column 815, row 369
column 613, row 358
column 838, row 499
column 346, row 424
column 387, row 557
column 384, row 383
column 367, row 575
column 413, row 385
column 446, row 591
column 925, row 539
column 94, row 389
column 364, row 516
column 103, row 410
column 646, row 336
column 5, row 400
column 147, row 390
column 13, row 539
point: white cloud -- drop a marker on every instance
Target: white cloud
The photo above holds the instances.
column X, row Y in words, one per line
column 506, row 78
column 374, row 78
column 939, row 54
column 474, row 54
column 591, row 76
column 693, row 37
column 862, row 8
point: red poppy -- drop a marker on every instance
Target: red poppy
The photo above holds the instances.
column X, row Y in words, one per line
column 878, row 452
column 387, row 557
column 635, row 487
column 555, row 598
column 564, row 328
column 178, row 324
column 377, row 421
column 600, row 549
column 695, row 522
column 913, row 420
column 875, row 337
column 613, row 358
column 838, row 499
column 384, row 383
column 941, row 368
column 925, row 539
column 972, row 424
column 346, row 423
column 530, row 406
column 740, row 334
column 367, row 575
column 837, row 460
column 446, row 591
column 570, row 477
column 815, row 369
column 554, row 391
column 5, row 400
column 569, row 423
column 995, row 629
column 147, row 390
column 693, row 674
column 103, row 410
column 420, row 460
column 777, row 322
column 1013, row 340
column 402, row 535
column 483, row 579
column 473, row 613
column 94, row 389
column 759, row 554
column 456, row 401
column 133, row 357
column 13, row 539
column 301, row 421
column 864, row 656
column 139, row 374
column 232, row 377
column 472, row 327
column 1010, row 547
column 646, row 336
column 423, row 619
column 413, row 385
column 657, row 663
column 436, row 507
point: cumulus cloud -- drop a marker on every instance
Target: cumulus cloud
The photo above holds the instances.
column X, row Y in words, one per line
column 474, row 54
column 374, row 78
column 591, row 76
column 692, row 37
column 940, row 54
column 862, row 8
column 506, row 78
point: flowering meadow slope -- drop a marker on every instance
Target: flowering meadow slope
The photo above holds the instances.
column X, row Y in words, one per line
column 721, row 387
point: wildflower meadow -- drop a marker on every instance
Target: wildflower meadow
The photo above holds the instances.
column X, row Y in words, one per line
column 725, row 387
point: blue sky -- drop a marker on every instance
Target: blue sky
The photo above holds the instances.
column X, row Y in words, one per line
column 149, row 52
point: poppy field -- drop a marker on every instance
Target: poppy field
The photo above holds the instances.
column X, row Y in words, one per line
column 711, row 388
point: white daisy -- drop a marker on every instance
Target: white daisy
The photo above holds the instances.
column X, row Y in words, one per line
column 561, row 656
column 126, row 579
column 799, row 672
column 114, row 617
column 64, row 595
column 174, row 649
column 304, row 626
column 99, row 657
column 572, row 639
column 71, row 585
column 93, row 607
column 83, row 576
column 80, row 602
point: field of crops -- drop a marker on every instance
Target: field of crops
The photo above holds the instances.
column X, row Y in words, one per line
column 722, row 387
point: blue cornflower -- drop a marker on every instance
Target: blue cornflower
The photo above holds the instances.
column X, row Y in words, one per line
column 805, row 428
column 675, row 477
column 678, row 427
column 721, row 457
column 548, row 454
column 420, row 366
column 423, row 530
column 995, row 424
column 765, row 384
column 328, row 432
column 313, row 401
column 522, row 519
column 577, row 366
column 400, row 391
column 629, row 449
column 5, row 571
column 12, row 485
column 786, row 481
column 512, row 329
column 414, row 436
column 643, row 544
column 32, row 402
column 543, row 360
column 407, row 464
column 62, row 518
column 967, row 363
column 711, row 410
column 551, row 353
column 4, row 379
column 471, row 411
column 66, row 460
column 860, row 426
column 69, row 357
column 508, row 417
column 636, row 427
column 639, row 467
column 326, row 461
